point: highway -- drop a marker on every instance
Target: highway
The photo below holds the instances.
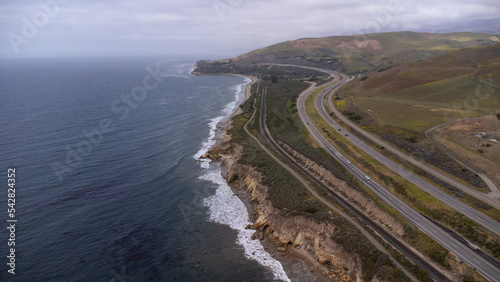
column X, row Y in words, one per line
column 470, row 212
column 282, row 154
column 463, row 252
column 445, row 239
column 402, row 247
column 490, row 198
column 453, row 202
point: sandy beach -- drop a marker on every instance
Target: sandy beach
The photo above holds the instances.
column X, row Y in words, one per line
column 247, row 92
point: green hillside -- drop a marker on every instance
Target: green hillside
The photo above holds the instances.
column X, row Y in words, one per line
column 400, row 103
column 420, row 95
column 359, row 53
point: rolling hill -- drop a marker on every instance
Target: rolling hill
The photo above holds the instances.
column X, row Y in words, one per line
column 401, row 103
column 356, row 53
column 417, row 96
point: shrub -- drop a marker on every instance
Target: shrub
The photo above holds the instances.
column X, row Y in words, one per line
column 412, row 139
column 353, row 116
column 341, row 105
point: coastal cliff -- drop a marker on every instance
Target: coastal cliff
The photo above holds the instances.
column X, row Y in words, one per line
column 296, row 231
column 307, row 237
column 290, row 222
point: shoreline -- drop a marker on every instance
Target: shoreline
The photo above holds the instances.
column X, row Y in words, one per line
column 297, row 263
column 246, row 93
column 223, row 208
column 225, row 123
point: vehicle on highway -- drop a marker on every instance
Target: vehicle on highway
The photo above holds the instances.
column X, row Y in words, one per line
column 367, row 177
column 348, row 162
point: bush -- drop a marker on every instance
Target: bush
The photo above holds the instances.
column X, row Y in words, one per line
column 412, row 139
column 353, row 116
column 439, row 257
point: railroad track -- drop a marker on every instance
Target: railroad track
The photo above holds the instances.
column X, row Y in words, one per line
column 462, row 240
column 435, row 273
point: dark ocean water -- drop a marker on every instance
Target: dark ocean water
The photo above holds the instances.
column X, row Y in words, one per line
column 131, row 202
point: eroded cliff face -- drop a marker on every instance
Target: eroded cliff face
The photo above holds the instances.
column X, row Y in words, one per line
column 306, row 236
column 296, row 231
column 356, row 198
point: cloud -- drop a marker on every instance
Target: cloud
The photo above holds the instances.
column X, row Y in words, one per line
column 159, row 27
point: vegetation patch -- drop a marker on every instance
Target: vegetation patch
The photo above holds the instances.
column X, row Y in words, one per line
column 414, row 196
column 475, row 142
column 288, row 194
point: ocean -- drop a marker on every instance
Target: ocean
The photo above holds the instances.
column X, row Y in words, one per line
column 108, row 185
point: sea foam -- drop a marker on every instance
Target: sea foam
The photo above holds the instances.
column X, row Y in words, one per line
column 224, row 207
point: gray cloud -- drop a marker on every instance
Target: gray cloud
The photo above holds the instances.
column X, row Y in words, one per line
column 209, row 28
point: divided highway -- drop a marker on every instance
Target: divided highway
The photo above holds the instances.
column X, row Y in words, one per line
column 435, row 273
column 490, row 198
column 473, row 214
column 463, row 252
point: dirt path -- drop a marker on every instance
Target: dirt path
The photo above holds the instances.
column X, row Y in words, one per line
column 494, row 191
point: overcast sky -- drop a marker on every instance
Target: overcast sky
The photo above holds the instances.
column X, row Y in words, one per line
column 208, row 28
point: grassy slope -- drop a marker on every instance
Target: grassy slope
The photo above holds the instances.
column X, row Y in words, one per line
column 400, row 103
column 286, row 192
column 414, row 97
column 412, row 195
column 418, row 96
column 360, row 53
